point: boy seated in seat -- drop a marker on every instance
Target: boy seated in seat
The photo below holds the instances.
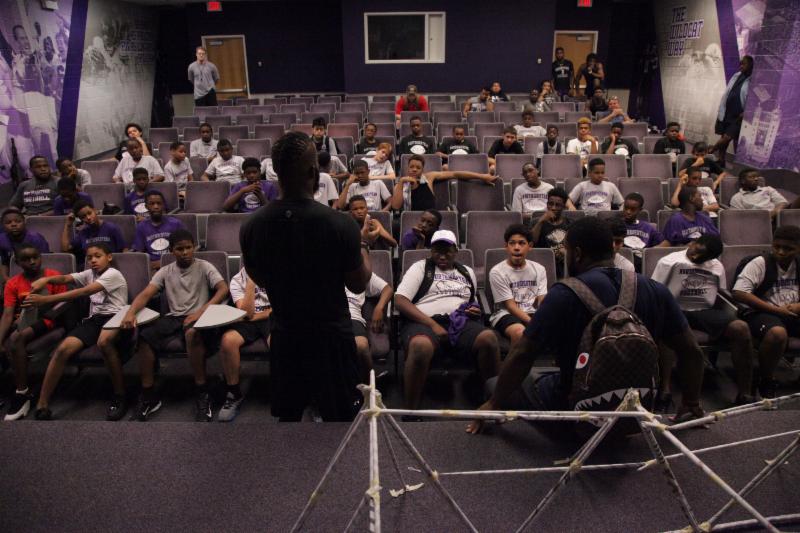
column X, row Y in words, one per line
column 152, row 234
column 67, row 169
column 751, row 195
column 619, row 231
column 68, row 195
column 126, row 166
column 372, row 231
column 640, row 234
column 694, row 277
column 248, row 296
column 518, row 284
column 530, row 196
column 178, row 170
column 134, row 203
column 375, row 192
column 14, row 234
column 596, row 193
column 420, row 234
column 108, row 294
column 441, row 315
column 551, row 228
column 94, row 230
column 225, row 166
column 13, row 343
column 187, row 284
column 377, row 287
column 690, row 222
column 252, row 192
column 768, row 286
column 692, row 177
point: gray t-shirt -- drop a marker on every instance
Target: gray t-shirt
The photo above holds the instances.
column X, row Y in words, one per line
column 114, row 295
column 35, row 197
column 197, row 148
column 188, row 289
column 203, row 77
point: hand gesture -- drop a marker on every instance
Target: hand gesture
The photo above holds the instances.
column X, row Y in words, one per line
column 191, row 319
column 70, row 219
column 548, row 216
column 128, row 321
column 38, row 285
column 440, row 332
column 474, row 311
column 34, row 300
column 376, row 325
column 489, row 179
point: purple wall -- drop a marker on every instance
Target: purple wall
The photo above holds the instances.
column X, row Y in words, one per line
column 515, row 33
column 727, row 37
column 299, row 42
column 72, row 79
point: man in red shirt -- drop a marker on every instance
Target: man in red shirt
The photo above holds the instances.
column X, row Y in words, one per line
column 410, row 102
column 27, row 327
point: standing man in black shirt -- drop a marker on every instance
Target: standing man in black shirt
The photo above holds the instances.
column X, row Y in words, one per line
column 731, row 109
column 563, row 73
column 304, row 255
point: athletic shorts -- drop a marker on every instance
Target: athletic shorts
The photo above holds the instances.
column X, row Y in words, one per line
column 250, row 331
column 714, row 322
column 314, row 367
column 359, row 329
column 463, row 348
column 760, row 323
column 507, row 320
column 166, row 334
column 41, row 326
column 731, row 128
column 88, row 331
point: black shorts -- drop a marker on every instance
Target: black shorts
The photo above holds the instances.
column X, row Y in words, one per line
column 250, row 331
column 461, row 350
column 359, row 329
column 166, row 334
column 507, row 320
column 760, row 323
column 714, row 322
column 40, row 327
column 314, row 367
column 88, row 331
column 731, row 128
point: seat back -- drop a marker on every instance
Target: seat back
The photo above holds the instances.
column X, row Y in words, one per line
column 329, row 108
column 304, row 128
column 247, row 101
column 101, row 171
column 346, row 146
column 482, row 129
column 601, row 131
column 233, row 133
column 434, row 98
column 206, row 196
column 738, row 226
column 561, row 166
column 345, row 129
column 217, row 121
column 494, row 256
column 663, row 216
column 562, row 107
column 357, row 98
column 650, row 143
column 284, row 119
column 543, row 117
column 385, row 129
column 258, row 148
column 789, row 217
column 127, row 225
column 478, row 117
column 163, row 152
column 205, row 111
column 199, row 165
column 651, row 166
column 64, row 263
column 135, row 268
column 427, row 129
column 234, row 110
column 485, row 230
column 189, row 221
column 616, row 165
column 574, row 116
column 465, row 257
column 385, row 98
column 733, row 255
column 532, row 144
column 509, row 166
column 277, row 101
column 566, row 130
column 433, row 163
column 439, row 107
column 106, row 193
column 250, row 121
column 651, row 257
column 170, row 192
column 469, row 163
column 354, row 107
column 264, row 110
column 49, row 227
column 649, row 188
column 273, row 132
column 349, row 117
column 222, row 232
column 163, row 135
column 182, row 122
column 295, row 109
column 449, row 117
column 644, row 215
column 305, row 100
column 406, row 116
column 499, row 107
column 474, row 195
column 449, row 221
column 636, row 129
column 380, row 117
column 215, row 257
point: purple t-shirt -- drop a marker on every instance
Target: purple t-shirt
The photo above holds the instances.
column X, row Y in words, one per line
column 409, row 241
column 680, row 231
column 250, row 202
column 107, row 232
column 154, row 239
column 134, row 205
column 642, row 234
column 62, row 207
column 30, row 237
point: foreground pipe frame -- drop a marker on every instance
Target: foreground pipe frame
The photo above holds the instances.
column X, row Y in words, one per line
column 375, row 414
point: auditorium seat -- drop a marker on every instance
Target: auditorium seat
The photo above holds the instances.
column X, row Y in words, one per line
column 601, row 131
column 636, row 129
column 101, row 171
column 62, row 262
column 49, row 227
column 449, row 221
column 382, row 107
column 271, row 132
column 651, row 256
column 439, row 107
column 277, row 101
column 438, row 98
column 649, row 188
column 509, row 118
column 345, row 129
column 248, row 101
column 380, row 344
column 264, row 110
column 561, row 166
column 469, row 162
column 163, row 135
column 284, row 119
column 258, row 148
column 222, row 231
column 234, row 110
column 205, row 111
column 357, row 98
column 386, row 129
column 309, row 117
column 106, row 193
column 308, row 129
column 199, row 165
column 487, row 141
column 250, row 120
column 739, row 226
column 405, row 129
column 532, row 143
column 616, row 165
column 682, row 158
column 127, row 225
column 163, row 152
column 336, row 100
column 218, row 121
column 345, row 145
column 302, row 100
column 789, row 217
column 233, row 133
column 650, row 142
column 327, row 108
column 445, row 129
column 562, row 107
column 183, row 122
column 574, row 116
column 480, row 117
column 732, row 255
column 380, row 117
column 651, row 166
column 349, row 117
column 189, row 221
column 484, row 230
column 170, row 192
column 353, row 107
column 433, row 163
column 405, row 116
column 206, row 196
column 543, row 117
column 483, row 129
column 295, row 109
column 509, row 166
column 226, row 102
column 566, row 130
column 500, row 107
column 476, row 195
column 450, row 117
column 663, row 216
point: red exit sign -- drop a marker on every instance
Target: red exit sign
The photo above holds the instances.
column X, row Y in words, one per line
column 581, row 3
column 213, row 7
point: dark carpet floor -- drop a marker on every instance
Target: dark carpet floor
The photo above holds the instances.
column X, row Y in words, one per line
column 177, row 476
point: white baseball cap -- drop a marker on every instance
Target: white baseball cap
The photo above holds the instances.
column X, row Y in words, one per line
column 444, row 235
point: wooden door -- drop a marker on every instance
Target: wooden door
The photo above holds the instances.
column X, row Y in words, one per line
column 228, row 53
column 576, row 45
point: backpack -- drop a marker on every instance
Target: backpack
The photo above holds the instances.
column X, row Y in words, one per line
column 427, row 281
column 770, row 274
column 616, row 352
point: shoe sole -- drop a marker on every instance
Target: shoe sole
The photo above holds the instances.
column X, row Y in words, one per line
column 19, row 414
column 231, row 419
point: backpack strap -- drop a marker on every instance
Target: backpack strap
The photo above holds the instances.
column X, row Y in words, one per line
column 627, row 290
column 464, row 272
column 585, row 295
column 770, row 275
column 427, row 281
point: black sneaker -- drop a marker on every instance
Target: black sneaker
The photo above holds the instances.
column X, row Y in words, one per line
column 20, row 406
column 203, row 405
column 663, row 403
column 146, row 408
column 767, row 388
column 43, row 413
column 116, row 409
column 743, row 399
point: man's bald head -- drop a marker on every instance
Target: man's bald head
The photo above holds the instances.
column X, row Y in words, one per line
column 294, row 159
